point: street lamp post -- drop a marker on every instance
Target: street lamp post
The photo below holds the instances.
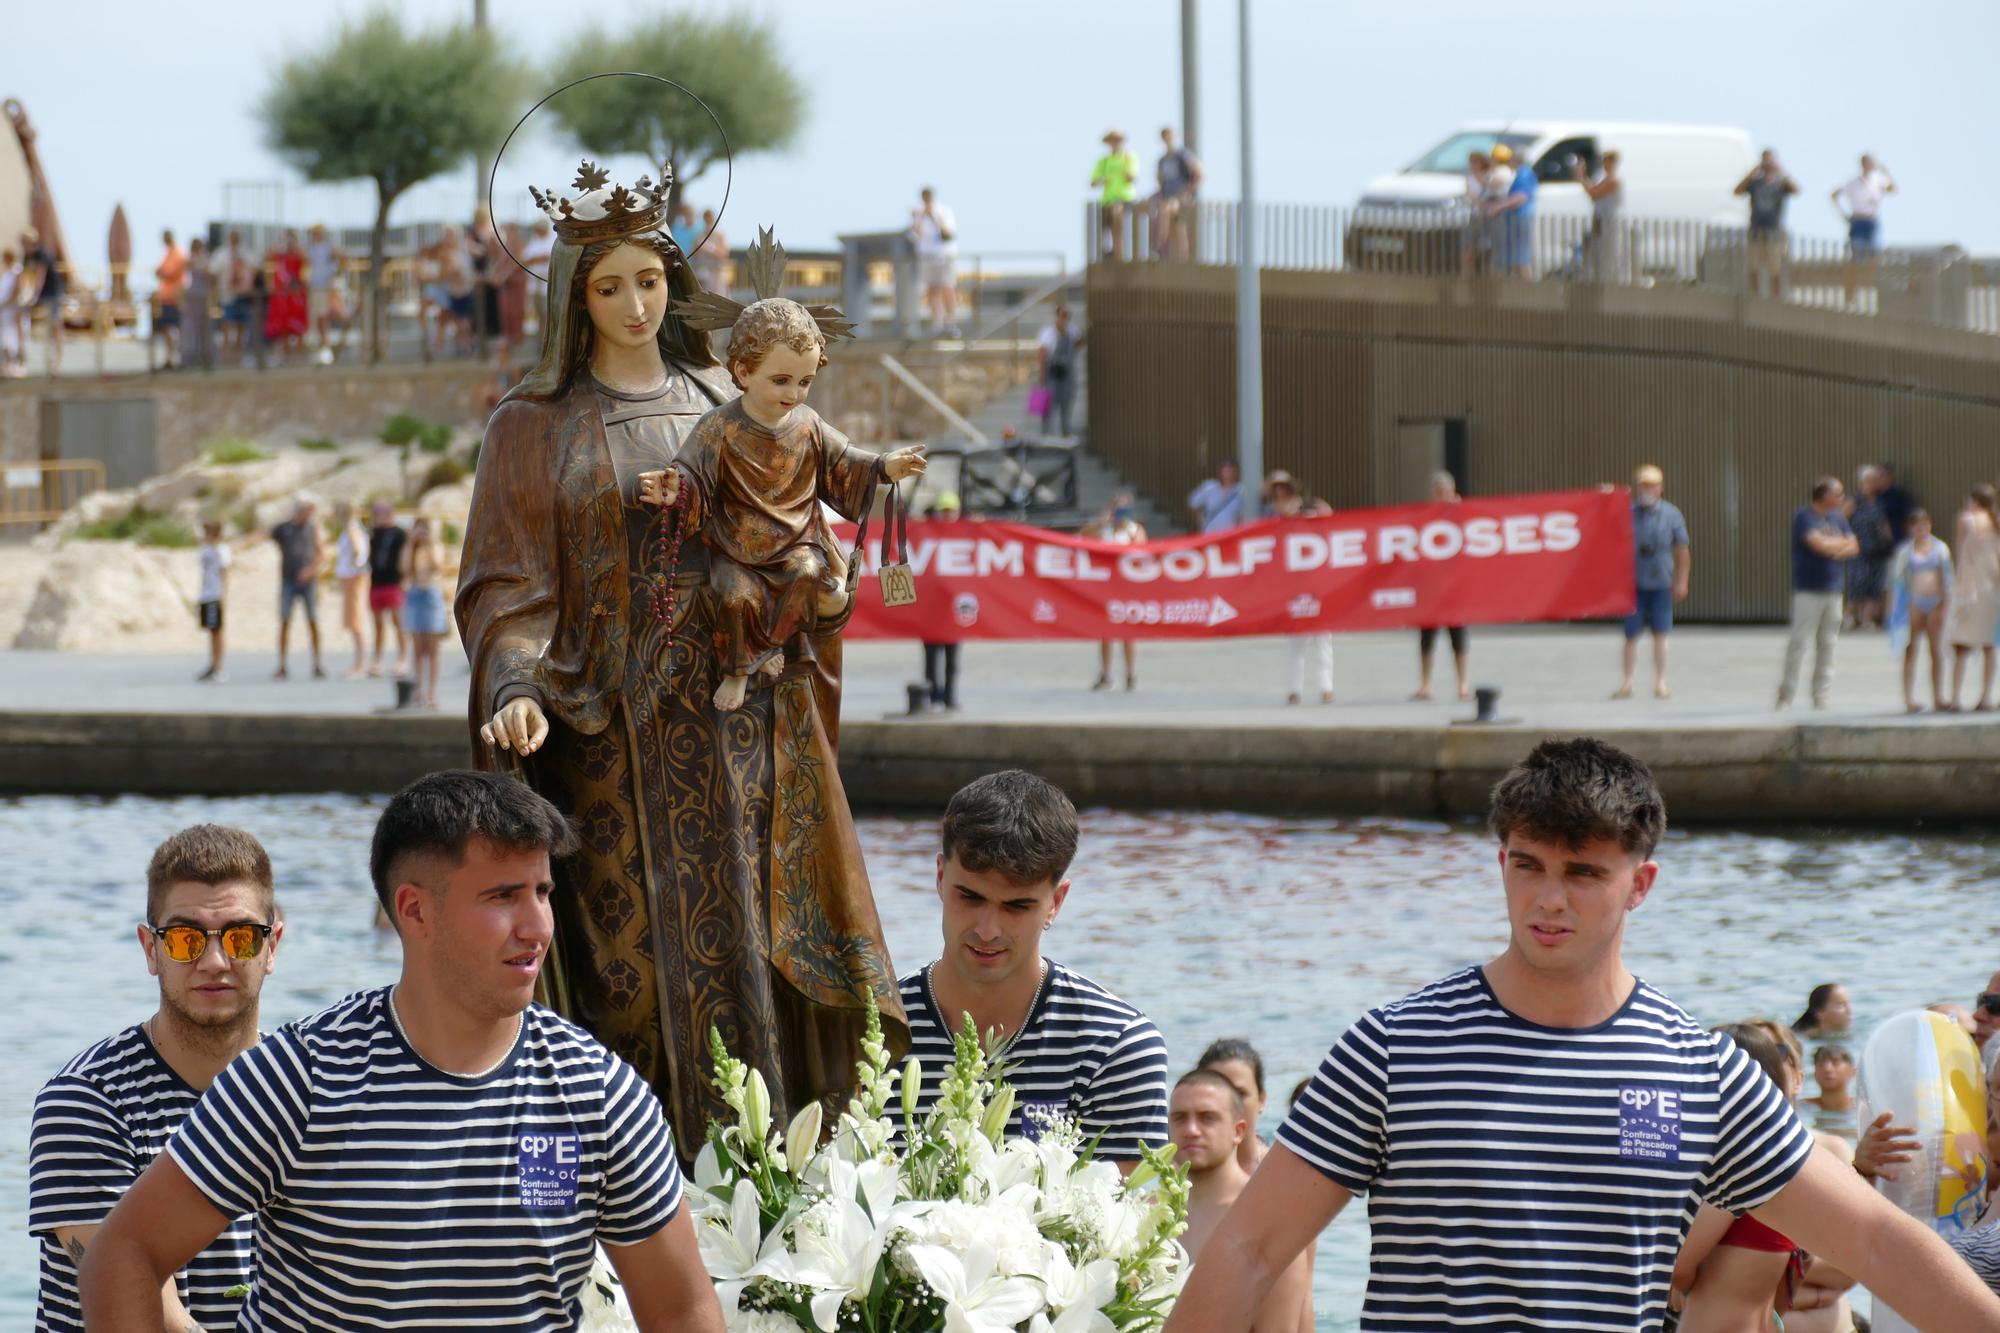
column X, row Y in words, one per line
column 1190, row 81
column 1249, row 314
column 482, row 162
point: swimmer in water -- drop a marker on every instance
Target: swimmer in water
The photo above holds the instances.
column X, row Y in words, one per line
column 1207, row 1122
column 1829, row 1013
column 1833, row 1070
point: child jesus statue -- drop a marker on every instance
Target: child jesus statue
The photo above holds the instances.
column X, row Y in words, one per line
column 756, row 471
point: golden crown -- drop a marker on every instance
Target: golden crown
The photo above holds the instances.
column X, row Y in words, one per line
column 603, row 211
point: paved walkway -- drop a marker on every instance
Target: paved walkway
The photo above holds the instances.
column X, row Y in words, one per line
column 1550, row 676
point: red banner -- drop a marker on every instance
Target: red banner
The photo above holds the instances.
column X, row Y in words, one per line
column 1558, row 555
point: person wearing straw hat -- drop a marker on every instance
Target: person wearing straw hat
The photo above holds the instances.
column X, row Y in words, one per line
column 1116, row 175
column 1284, row 499
column 1661, row 561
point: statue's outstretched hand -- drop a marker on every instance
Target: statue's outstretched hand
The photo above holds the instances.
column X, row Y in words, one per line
column 519, row 726
column 903, row 463
column 659, row 488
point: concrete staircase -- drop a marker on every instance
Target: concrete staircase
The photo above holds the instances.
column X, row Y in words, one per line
column 1097, row 482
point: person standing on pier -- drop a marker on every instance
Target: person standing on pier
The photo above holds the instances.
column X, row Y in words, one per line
column 1218, row 502
column 1070, row 1047
column 1821, row 542
column 211, row 938
column 301, row 557
column 1533, row 1134
column 1661, row 561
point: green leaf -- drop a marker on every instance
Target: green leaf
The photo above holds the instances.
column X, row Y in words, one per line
column 731, row 62
column 390, row 105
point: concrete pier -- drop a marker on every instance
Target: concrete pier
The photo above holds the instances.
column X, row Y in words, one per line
column 1207, row 728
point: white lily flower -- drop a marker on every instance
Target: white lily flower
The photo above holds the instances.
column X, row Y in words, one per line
column 976, row 1299
column 1069, row 1287
column 709, row 1176
column 840, row 1241
column 1017, row 1163
column 1076, row 1319
column 735, row 1250
column 802, row 1137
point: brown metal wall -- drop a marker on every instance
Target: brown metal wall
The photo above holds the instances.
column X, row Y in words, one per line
column 1743, row 403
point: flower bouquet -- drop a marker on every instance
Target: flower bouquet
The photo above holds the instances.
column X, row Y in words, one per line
column 965, row 1230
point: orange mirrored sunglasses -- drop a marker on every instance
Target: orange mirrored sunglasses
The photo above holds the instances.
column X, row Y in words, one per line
column 186, row 944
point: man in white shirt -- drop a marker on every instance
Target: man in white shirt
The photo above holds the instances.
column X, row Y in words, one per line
column 934, row 231
column 1860, row 203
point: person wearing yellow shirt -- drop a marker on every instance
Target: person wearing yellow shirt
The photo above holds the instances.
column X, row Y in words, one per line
column 1117, row 175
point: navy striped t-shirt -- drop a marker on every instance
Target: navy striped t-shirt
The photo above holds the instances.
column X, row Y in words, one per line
column 1082, row 1052
column 1533, row 1178
column 393, row 1195
column 97, row 1125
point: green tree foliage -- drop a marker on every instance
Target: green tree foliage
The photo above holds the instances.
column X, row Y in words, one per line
column 392, row 106
column 729, row 62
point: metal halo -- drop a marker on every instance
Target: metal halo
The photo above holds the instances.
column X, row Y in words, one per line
column 728, row 156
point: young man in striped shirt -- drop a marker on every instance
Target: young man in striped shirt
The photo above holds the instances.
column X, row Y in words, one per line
column 438, row 1153
column 1533, row 1135
column 1066, row 1045
column 211, row 936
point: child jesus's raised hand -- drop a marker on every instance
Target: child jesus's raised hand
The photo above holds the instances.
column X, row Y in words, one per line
column 659, row 488
column 903, row 463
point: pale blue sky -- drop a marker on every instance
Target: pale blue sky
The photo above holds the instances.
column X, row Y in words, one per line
column 1001, row 105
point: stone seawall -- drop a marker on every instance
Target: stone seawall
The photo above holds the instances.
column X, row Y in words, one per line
column 1819, row 774
column 186, row 409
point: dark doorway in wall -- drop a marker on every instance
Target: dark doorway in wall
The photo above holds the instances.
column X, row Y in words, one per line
column 1426, row 446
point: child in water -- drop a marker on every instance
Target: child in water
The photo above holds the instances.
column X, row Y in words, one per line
column 757, row 470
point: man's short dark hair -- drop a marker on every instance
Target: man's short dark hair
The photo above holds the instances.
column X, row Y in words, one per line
column 440, row 813
column 1234, row 1048
column 1013, row 823
column 209, row 854
column 1208, row 1078
column 1580, row 791
column 1824, row 487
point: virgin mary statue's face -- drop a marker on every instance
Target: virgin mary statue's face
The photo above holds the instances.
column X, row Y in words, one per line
column 626, row 295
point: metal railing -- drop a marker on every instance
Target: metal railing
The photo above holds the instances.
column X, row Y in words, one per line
column 1019, row 479
column 1940, row 285
column 117, row 335
column 42, row 492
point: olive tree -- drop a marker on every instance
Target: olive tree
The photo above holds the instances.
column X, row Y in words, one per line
column 730, row 62
column 393, row 106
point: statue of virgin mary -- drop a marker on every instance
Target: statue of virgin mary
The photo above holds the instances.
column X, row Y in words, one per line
column 719, row 882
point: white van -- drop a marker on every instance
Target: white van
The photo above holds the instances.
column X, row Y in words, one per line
column 1686, row 173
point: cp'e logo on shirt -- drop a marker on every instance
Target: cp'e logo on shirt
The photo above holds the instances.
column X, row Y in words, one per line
column 1649, row 1123
column 549, row 1165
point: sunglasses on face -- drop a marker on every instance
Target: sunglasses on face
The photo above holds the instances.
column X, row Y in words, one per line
column 186, row 944
column 1990, row 1003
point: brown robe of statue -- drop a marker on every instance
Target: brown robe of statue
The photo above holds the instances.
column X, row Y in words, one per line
column 719, row 881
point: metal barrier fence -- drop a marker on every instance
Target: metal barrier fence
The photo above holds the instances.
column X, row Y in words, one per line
column 1940, row 285
column 41, row 492
column 108, row 307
